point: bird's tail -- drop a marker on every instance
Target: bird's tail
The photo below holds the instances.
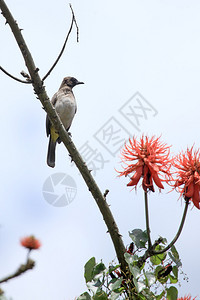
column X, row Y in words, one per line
column 51, row 153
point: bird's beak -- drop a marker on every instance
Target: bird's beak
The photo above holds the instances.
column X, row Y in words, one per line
column 79, row 82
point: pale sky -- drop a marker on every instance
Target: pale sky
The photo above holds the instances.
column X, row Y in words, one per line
column 146, row 47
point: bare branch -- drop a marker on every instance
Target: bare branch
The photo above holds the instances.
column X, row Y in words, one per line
column 13, row 77
column 22, row 269
column 65, row 138
column 64, row 45
column 77, row 29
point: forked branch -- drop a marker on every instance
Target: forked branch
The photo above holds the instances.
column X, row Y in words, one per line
column 76, row 157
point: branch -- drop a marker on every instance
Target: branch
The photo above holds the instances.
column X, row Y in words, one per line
column 64, row 45
column 13, row 77
column 151, row 251
column 22, row 269
column 178, row 232
column 89, row 180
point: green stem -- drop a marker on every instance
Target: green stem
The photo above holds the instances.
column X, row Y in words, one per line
column 178, row 232
column 147, row 220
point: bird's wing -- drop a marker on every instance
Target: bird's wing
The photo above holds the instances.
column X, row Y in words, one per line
column 48, row 122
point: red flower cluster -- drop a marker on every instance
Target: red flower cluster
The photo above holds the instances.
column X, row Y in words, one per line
column 146, row 158
column 188, row 175
column 30, row 242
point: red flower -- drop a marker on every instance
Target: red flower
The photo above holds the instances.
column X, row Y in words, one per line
column 30, row 242
column 188, row 175
column 151, row 157
column 186, row 298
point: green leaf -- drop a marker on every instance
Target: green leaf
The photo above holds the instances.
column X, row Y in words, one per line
column 172, row 293
column 175, row 257
column 98, row 269
column 94, row 286
column 114, row 296
column 115, row 284
column 157, row 259
column 173, row 279
column 174, row 252
column 151, row 278
column 160, row 296
column 164, row 241
column 158, row 268
column 139, row 238
column 130, row 259
column 84, row 296
column 148, row 295
column 161, row 279
column 175, row 271
column 135, row 271
column 142, row 297
column 88, row 274
column 113, row 268
column 139, row 285
column 100, row 295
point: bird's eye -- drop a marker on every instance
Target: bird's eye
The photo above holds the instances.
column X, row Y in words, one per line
column 73, row 80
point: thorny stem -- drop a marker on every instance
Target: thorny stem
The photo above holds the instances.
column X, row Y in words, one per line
column 147, row 220
column 76, row 157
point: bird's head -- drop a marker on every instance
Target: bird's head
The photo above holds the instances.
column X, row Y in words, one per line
column 70, row 81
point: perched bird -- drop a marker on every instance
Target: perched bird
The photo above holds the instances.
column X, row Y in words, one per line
column 65, row 105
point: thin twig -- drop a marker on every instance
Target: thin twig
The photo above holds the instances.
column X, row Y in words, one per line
column 22, row 269
column 77, row 29
column 178, row 232
column 147, row 220
column 13, row 77
column 64, row 45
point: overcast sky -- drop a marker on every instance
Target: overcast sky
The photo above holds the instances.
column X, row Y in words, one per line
column 129, row 53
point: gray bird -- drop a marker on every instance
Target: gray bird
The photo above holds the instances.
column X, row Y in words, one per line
column 65, row 105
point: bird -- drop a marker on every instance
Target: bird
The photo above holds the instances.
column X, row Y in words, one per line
column 65, row 105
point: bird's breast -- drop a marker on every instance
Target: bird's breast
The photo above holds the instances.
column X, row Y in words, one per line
column 66, row 108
